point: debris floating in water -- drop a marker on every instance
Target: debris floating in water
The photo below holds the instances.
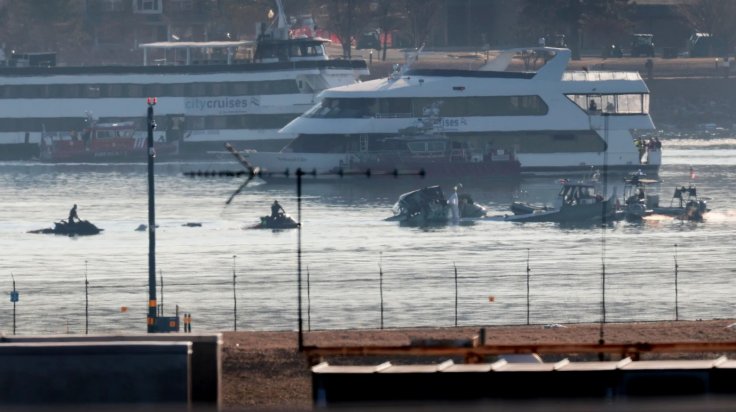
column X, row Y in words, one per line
column 192, row 224
column 554, row 326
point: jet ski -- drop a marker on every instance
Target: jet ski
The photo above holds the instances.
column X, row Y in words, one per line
column 280, row 221
column 80, row 228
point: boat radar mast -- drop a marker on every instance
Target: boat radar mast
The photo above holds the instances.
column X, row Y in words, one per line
column 281, row 31
column 400, row 70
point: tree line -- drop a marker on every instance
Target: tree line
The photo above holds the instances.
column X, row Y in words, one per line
column 79, row 29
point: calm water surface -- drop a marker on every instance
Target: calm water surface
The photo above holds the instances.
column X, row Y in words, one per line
column 345, row 242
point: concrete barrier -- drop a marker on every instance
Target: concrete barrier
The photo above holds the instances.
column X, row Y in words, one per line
column 111, row 373
column 206, row 360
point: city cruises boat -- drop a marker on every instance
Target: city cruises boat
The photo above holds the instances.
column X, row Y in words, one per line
column 549, row 120
column 208, row 93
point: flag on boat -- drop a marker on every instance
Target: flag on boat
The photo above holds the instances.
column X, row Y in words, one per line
column 692, row 173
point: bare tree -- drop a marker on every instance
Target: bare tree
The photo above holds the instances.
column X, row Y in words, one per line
column 422, row 16
column 389, row 18
column 37, row 25
column 571, row 17
column 345, row 19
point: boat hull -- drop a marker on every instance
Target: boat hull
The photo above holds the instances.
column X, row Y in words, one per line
column 599, row 212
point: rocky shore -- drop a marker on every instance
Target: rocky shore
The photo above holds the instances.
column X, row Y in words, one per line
column 265, row 371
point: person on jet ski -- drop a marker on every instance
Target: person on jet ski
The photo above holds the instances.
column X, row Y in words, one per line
column 276, row 210
column 73, row 215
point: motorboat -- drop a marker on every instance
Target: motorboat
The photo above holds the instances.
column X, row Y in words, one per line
column 78, row 228
column 428, row 206
column 637, row 203
column 684, row 205
column 102, row 142
column 280, row 221
column 575, row 203
column 549, row 120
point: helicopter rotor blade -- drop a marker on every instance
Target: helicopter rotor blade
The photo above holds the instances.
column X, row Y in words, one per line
column 240, row 158
column 240, row 189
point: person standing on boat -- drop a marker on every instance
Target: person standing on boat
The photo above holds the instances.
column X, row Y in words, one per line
column 454, row 203
column 276, row 210
column 73, row 214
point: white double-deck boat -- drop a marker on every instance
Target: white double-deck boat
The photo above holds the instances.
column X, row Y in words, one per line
column 208, row 93
column 549, row 120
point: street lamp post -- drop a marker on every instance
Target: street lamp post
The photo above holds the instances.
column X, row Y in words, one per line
column 151, row 321
column 14, row 299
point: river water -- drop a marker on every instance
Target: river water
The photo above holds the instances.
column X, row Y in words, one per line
column 350, row 256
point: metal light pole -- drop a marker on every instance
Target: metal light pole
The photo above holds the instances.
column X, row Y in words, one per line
column 455, row 266
column 380, row 284
column 161, row 279
column 14, row 299
column 309, row 304
column 605, row 206
column 677, row 309
column 299, row 174
column 235, row 299
column 151, row 321
column 528, row 272
column 86, row 300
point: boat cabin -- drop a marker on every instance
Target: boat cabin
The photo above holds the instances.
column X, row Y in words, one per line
column 573, row 194
column 176, row 53
column 297, row 49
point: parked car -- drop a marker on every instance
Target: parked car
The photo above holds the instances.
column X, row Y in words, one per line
column 705, row 45
column 369, row 40
column 642, row 44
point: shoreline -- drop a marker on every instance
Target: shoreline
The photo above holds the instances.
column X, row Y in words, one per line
column 264, row 370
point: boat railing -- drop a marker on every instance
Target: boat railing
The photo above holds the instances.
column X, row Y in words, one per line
column 393, row 115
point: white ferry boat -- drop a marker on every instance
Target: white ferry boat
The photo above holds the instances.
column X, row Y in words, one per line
column 208, row 93
column 549, row 120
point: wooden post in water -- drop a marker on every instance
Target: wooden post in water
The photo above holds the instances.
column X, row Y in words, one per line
column 677, row 313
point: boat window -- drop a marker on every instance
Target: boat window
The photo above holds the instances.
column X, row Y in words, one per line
column 344, row 108
column 418, row 107
column 135, row 90
column 116, row 90
column 630, row 103
column 105, row 134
